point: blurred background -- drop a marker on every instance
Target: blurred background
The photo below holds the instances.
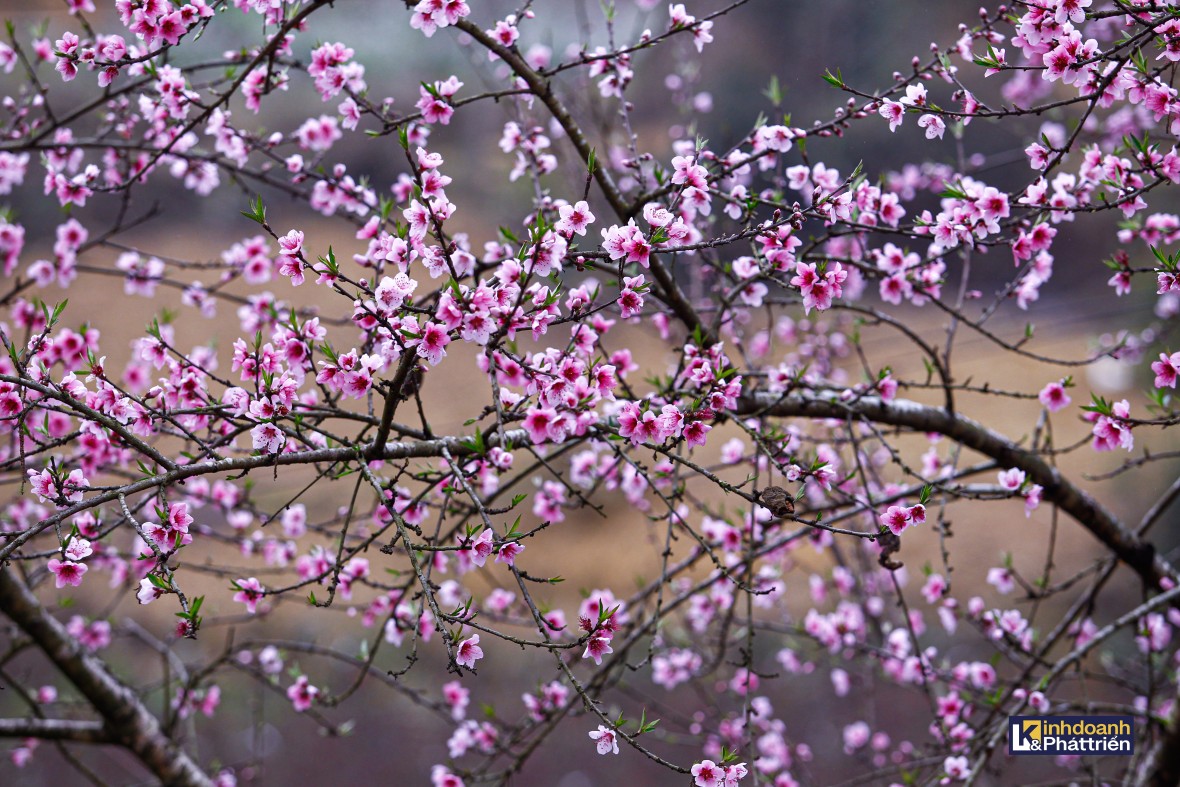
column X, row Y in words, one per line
column 676, row 95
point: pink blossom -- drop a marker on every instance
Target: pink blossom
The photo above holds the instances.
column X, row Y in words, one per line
column 933, row 124
column 147, row 592
column 934, row 589
column 735, row 773
column 631, row 297
column 250, row 592
column 543, row 424
column 67, row 572
column 302, row 694
column 292, row 268
column 1166, row 370
column 596, row 648
column 433, row 342
column 78, row 549
column 896, row 519
column 1001, row 579
column 440, row 776
column 457, row 696
column 480, row 548
column 508, row 552
column 707, row 773
column 893, row 112
column 1112, row 431
column 1011, row 479
column 1054, row 397
column 1032, row 498
column 574, row 219
column 291, row 244
column 268, row 438
column 605, row 740
column 469, row 652
column 430, row 15
column 957, row 768
column 1154, row 633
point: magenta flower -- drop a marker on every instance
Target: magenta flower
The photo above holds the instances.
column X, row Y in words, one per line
column 631, row 297
column 469, row 652
column 78, row 549
column 596, row 648
column 957, row 768
column 896, row 519
column 606, row 741
column 1001, row 579
column 933, row 124
column 574, row 219
column 1011, row 479
column 292, row 268
column 540, row 423
column 1032, row 498
column 147, row 592
column 250, row 592
column 1166, row 370
column 291, row 244
column 67, row 572
column 433, row 342
column 707, row 773
column 893, row 112
column 508, row 552
column 268, row 438
column 302, row 694
column 481, row 548
column 1054, row 397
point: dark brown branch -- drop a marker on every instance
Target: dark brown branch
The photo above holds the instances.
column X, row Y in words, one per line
column 56, row 730
column 541, row 87
column 127, row 721
column 1139, row 555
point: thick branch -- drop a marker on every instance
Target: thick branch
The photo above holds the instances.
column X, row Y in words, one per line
column 55, row 730
column 127, row 721
column 1139, row 555
column 393, row 396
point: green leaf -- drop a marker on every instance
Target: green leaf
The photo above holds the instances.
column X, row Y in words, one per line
column 773, row 92
column 1099, row 405
column 835, row 80
column 330, row 261
column 57, row 310
column 257, row 211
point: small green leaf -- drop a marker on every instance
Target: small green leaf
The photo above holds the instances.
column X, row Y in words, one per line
column 257, row 211
column 835, row 80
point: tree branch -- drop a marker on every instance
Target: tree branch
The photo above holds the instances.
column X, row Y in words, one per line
column 56, row 730
column 1139, row 555
column 127, row 722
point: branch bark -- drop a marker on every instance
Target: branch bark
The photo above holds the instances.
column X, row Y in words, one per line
column 1138, row 555
column 126, row 720
column 55, row 730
